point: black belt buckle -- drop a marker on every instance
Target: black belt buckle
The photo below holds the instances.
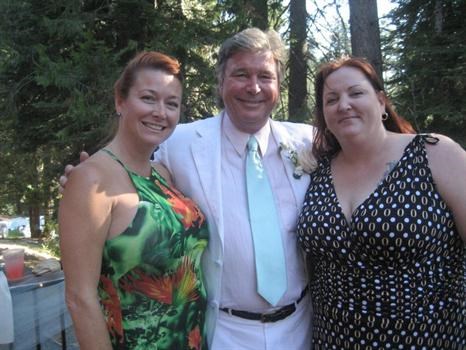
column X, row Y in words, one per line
column 278, row 315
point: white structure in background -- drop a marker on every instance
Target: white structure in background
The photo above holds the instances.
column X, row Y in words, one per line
column 4, row 228
column 19, row 224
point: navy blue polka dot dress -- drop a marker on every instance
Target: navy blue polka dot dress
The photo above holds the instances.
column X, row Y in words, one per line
column 392, row 278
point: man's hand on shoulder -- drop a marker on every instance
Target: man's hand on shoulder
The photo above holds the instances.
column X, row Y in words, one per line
column 68, row 169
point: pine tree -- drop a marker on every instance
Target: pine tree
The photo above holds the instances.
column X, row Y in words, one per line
column 428, row 61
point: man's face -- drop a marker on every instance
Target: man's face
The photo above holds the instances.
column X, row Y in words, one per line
column 250, row 89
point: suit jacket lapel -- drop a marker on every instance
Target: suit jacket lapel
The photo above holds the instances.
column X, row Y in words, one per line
column 206, row 152
column 282, row 136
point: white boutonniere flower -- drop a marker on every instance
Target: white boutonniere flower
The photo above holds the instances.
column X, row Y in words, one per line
column 302, row 160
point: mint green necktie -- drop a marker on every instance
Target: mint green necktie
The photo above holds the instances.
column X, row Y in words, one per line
column 265, row 228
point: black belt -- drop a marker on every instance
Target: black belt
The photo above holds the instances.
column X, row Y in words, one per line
column 275, row 316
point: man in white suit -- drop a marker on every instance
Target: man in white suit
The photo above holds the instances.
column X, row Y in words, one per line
column 207, row 162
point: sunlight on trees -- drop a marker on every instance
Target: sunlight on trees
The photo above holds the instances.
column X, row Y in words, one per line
column 58, row 62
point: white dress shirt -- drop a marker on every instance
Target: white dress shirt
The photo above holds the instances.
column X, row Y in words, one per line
column 239, row 286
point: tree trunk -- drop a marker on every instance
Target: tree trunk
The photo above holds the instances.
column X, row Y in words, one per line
column 34, row 221
column 438, row 13
column 365, row 32
column 297, row 90
column 259, row 14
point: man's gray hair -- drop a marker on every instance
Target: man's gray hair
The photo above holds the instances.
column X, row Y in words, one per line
column 251, row 40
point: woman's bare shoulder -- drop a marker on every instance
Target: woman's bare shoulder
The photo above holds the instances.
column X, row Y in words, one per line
column 445, row 151
column 447, row 162
column 95, row 171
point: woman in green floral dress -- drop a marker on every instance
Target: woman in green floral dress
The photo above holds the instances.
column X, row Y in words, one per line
column 131, row 244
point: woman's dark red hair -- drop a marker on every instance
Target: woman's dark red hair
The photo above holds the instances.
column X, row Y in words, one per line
column 145, row 60
column 325, row 144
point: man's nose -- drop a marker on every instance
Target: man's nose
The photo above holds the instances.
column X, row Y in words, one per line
column 253, row 86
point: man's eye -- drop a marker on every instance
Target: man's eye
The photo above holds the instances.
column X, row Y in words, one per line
column 267, row 77
column 239, row 74
column 147, row 98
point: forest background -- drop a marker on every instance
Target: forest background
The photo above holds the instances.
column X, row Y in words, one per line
column 59, row 59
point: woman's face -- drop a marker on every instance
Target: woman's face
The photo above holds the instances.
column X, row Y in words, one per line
column 152, row 108
column 351, row 105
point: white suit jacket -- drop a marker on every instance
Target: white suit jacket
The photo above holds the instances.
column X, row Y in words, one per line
column 193, row 157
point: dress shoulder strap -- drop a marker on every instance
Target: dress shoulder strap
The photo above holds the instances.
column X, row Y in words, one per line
column 115, row 158
column 428, row 138
column 132, row 174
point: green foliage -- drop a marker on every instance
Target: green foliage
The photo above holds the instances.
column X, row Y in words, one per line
column 51, row 69
column 51, row 244
column 427, row 56
column 58, row 63
column 59, row 60
column 15, row 234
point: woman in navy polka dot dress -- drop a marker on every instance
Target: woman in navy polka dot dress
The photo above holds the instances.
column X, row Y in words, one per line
column 383, row 223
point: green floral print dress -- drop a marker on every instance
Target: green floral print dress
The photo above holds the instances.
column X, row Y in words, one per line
column 151, row 285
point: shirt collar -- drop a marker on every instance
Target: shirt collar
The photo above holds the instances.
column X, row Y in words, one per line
column 239, row 139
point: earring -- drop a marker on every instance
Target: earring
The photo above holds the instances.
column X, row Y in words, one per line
column 118, row 114
column 384, row 116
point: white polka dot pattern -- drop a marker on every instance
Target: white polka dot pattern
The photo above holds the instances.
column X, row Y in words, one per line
column 393, row 278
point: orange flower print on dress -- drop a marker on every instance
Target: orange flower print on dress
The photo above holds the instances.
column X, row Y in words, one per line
column 185, row 282
column 160, row 289
column 194, row 339
column 177, row 288
column 183, row 206
column 153, row 293
column 112, row 308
